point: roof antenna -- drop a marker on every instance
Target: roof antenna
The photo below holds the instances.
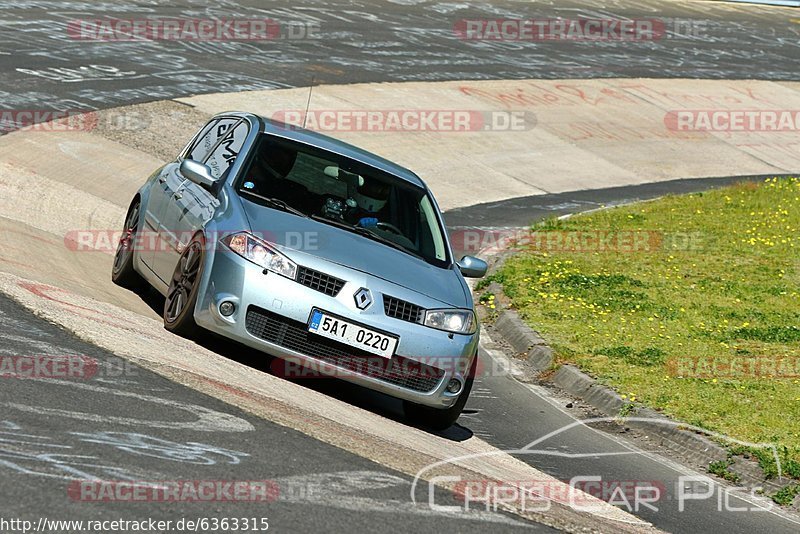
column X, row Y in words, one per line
column 308, row 102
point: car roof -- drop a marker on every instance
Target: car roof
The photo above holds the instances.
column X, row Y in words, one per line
column 324, row 142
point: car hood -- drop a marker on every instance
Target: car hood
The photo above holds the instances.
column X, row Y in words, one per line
column 291, row 232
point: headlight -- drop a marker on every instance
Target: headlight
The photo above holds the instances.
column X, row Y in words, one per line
column 458, row 321
column 252, row 248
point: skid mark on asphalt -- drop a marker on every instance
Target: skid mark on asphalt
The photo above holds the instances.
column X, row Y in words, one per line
column 206, row 420
column 482, row 393
column 81, row 456
column 355, row 41
column 144, row 445
column 64, row 457
column 34, row 455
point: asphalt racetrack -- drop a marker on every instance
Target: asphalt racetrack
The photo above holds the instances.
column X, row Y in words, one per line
column 334, row 457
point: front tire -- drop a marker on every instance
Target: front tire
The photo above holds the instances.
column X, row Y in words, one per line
column 183, row 288
column 123, row 273
column 438, row 419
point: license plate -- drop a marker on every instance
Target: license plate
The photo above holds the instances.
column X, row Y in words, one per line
column 352, row 334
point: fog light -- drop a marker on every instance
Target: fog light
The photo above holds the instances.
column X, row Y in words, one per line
column 454, row 386
column 227, row 308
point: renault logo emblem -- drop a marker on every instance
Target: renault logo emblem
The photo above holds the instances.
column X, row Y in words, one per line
column 363, row 298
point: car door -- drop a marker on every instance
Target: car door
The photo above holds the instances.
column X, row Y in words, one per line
column 191, row 205
column 165, row 252
column 167, row 183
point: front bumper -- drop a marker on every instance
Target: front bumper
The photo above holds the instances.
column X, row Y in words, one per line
column 272, row 313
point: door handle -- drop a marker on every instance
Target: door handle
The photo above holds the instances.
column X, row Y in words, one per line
column 178, row 195
column 162, row 179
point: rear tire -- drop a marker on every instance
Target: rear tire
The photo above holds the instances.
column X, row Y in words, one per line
column 183, row 288
column 122, row 272
column 438, row 419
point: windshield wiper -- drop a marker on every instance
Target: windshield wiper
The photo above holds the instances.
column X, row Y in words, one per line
column 372, row 235
column 275, row 203
column 360, row 230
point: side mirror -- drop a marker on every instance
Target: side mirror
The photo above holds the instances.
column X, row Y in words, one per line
column 472, row 267
column 198, row 173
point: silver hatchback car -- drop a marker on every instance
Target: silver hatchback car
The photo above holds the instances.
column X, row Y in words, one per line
column 328, row 257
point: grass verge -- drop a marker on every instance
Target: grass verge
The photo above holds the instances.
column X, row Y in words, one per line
column 688, row 304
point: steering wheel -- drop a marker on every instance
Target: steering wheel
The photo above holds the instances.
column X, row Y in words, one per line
column 389, row 227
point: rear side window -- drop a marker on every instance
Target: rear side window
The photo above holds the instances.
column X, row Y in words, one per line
column 212, row 132
column 226, row 152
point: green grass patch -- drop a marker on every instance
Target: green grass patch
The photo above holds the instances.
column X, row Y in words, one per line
column 638, row 295
column 720, row 468
column 786, row 496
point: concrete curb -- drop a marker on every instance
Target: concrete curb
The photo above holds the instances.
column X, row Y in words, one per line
column 524, row 340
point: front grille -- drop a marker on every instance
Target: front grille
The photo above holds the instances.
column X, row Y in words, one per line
column 293, row 335
column 324, row 283
column 400, row 309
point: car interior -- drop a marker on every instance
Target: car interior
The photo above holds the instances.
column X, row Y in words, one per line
column 343, row 192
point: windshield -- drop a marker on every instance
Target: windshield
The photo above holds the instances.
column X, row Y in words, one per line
column 344, row 193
